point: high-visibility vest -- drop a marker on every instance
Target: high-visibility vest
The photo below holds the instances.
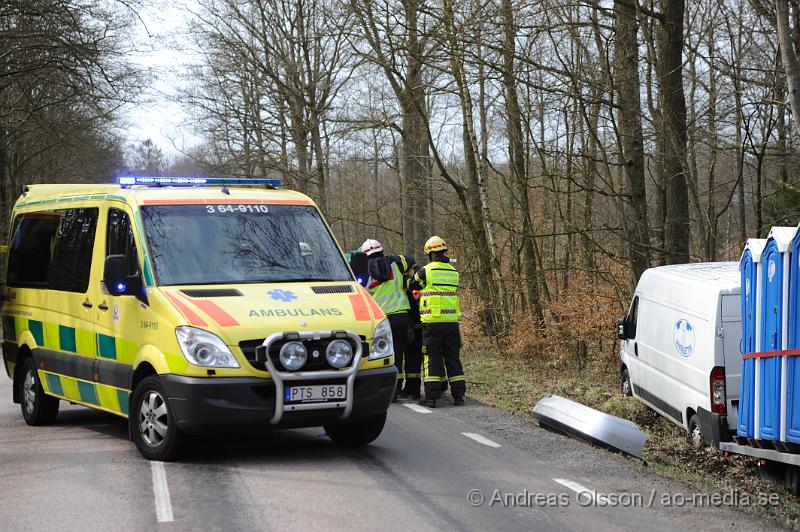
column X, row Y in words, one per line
column 438, row 301
column 391, row 294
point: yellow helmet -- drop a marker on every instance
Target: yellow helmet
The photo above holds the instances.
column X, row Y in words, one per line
column 435, row 243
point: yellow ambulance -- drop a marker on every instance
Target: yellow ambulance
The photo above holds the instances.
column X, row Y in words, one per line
column 189, row 306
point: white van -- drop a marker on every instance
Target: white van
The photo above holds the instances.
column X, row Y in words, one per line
column 680, row 347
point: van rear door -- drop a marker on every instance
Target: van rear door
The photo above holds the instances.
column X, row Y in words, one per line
column 732, row 351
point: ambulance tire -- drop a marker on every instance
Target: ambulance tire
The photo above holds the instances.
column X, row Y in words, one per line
column 149, row 408
column 356, row 434
column 38, row 408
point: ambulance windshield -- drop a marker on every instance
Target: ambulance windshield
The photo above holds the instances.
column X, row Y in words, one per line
column 240, row 243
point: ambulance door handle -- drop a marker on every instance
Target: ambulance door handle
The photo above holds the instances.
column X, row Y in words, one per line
column 87, row 304
column 102, row 306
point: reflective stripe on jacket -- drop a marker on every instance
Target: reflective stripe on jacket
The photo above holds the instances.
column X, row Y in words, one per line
column 391, row 294
column 439, row 300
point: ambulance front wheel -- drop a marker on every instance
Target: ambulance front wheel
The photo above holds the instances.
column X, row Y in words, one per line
column 356, row 434
column 37, row 407
column 152, row 422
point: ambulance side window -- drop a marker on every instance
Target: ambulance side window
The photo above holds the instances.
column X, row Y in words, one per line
column 119, row 239
column 31, row 249
column 72, row 255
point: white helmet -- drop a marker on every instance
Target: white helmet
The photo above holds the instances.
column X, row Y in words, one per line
column 370, row 246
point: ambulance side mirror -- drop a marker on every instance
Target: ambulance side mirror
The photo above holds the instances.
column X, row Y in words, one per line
column 359, row 262
column 116, row 278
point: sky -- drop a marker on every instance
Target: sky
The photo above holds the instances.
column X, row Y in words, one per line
column 160, row 39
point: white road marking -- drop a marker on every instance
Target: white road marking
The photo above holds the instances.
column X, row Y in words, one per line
column 161, row 492
column 481, row 439
column 583, row 492
column 417, row 408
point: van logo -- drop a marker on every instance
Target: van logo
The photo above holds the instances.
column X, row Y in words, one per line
column 683, row 336
column 282, row 295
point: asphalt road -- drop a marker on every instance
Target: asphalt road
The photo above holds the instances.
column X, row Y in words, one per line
column 423, row 473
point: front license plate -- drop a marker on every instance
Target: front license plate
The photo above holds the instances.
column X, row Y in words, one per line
column 315, row 394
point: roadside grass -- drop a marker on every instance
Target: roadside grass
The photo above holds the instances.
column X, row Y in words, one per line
column 515, row 383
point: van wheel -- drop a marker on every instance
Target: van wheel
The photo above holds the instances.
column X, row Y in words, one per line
column 625, row 387
column 696, row 432
column 356, row 434
column 37, row 407
column 152, row 423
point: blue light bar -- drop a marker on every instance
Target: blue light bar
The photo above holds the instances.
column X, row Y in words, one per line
column 128, row 181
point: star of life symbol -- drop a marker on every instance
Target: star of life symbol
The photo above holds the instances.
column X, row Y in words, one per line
column 282, row 295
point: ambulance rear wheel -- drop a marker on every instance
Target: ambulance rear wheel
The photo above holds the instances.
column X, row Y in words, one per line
column 37, row 407
column 152, row 423
column 356, row 434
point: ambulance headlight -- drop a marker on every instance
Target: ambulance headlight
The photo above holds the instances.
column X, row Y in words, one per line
column 339, row 353
column 202, row 348
column 293, row 355
column 381, row 346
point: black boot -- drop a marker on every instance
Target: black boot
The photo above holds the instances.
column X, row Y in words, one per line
column 458, row 401
column 430, row 403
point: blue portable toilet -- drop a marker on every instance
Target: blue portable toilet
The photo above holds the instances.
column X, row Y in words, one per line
column 749, row 266
column 792, row 394
column 769, row 370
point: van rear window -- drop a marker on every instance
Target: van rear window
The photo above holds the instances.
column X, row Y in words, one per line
column 227, row 244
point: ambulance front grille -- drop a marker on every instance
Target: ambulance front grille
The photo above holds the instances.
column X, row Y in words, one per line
column 333, row 289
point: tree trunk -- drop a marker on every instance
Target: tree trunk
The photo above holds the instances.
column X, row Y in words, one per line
column 789, row 56
column 415, row 166
column 672, row 104
column 516, row 154
column 629, row 117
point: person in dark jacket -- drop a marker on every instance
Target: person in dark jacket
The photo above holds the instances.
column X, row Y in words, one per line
column 387, row 285
column 413, row 355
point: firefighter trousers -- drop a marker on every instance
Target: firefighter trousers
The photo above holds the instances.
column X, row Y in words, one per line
column 412, row 363
column 399, row 324
column 441, row 352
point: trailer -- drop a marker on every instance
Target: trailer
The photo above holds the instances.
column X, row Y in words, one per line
column 774, row 466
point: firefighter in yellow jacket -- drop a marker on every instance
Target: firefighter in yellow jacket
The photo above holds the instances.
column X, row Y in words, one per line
column 437, row 283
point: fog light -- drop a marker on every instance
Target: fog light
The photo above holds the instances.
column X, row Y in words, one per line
column 339, row 353
column 293, row 355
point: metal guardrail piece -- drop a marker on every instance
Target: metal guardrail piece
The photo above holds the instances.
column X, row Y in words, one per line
column 587, row 424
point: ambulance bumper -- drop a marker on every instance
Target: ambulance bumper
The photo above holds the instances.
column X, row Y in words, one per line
column 231, row 404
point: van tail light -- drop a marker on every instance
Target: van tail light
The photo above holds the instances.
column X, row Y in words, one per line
column 717, row 380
